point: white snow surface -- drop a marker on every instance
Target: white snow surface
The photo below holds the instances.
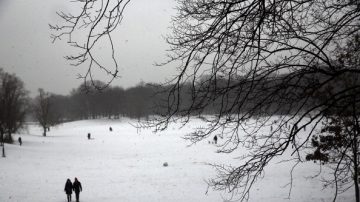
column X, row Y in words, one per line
column 127, row 165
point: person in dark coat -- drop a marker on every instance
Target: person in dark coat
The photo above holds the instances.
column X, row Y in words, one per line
column 77, row 188
column 20, row 141
column 215, row 139
column 68, row 189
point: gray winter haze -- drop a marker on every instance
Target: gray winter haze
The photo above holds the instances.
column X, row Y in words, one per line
column 27, row 49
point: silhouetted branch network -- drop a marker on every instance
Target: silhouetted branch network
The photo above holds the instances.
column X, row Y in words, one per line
column 259, row 65
column 264, row 63
column 94, row 23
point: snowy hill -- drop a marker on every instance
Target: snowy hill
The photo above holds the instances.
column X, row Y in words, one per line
column 127, row 165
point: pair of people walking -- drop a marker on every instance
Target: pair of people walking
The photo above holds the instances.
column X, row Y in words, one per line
column 70, row 187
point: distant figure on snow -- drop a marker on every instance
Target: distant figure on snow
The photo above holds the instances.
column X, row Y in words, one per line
column 110, row 129
column 77, row 188
column 89, row 136
column 68, row 189
column 215, row 139
column 20, row 141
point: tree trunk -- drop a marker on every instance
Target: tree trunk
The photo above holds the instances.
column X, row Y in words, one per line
column 355, row 153
column 356, row 173
column 1, row 139
column 3, row 151
column 357, row 190
column 356, row 169
column 44, row 134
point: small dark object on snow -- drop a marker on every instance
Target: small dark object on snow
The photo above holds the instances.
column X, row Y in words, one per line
column 20, row 141
column 110, row 129
column 89, row 136
column 215, row 139
column 165, row 164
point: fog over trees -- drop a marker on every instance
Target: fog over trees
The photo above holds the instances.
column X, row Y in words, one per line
column 86, row 102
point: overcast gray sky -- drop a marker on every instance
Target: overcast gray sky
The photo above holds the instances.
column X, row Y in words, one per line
column 26, row 48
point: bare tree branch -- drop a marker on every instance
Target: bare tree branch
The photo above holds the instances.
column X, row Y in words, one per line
column 86, row 31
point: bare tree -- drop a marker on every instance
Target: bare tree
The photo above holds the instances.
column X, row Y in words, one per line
column 44, row 113
column 274, row 56
column 13, row 106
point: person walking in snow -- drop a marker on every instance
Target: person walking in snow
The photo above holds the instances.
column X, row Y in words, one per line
column 68, row 189
column 77, row 188
column 20, row 141
column 215, row 139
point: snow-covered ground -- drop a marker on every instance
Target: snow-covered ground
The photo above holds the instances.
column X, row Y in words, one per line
column 127, row 165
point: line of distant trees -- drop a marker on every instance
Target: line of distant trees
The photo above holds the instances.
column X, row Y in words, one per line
column 85, row 102
column 139, row 102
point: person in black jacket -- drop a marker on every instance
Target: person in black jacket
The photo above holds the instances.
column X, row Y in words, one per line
column 68, row 189
column 20, row 141
column 215, row 139
column 77, row 188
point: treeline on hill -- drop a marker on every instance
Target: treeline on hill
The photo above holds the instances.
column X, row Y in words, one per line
column 224, row 95
column 145, row 100
column 137, row 102
column 85, row 102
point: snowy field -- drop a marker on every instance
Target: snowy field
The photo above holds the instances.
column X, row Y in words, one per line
column 127, row 165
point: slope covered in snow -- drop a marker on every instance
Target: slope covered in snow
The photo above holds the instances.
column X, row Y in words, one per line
column 127, row 165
